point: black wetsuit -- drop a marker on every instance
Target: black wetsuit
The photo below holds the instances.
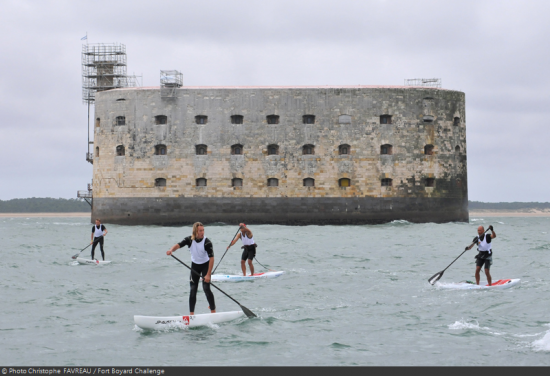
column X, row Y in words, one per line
column 202, row 270
column 99, row 240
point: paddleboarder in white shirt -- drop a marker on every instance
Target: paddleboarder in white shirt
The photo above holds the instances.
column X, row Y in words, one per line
column 485, row 255
column 98, row 232
column 249, row 247
column 202, row 257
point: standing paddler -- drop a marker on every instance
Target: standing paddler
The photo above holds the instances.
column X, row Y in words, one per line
column 485, row 255
column 202, row 261
column 249, row 247
column 98, row 233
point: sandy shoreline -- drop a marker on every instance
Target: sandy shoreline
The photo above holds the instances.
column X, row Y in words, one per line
column 28, row 215
column 473, row 214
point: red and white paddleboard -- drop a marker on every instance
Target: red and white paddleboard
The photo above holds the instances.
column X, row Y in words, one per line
column 465, row 285
column 240, row 278
column 167, row 322
column 84, row 261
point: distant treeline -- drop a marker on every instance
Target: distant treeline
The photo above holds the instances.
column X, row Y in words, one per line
column 43, row 205
column 508, row 205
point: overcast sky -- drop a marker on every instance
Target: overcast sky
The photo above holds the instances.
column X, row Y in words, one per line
column 497, row 52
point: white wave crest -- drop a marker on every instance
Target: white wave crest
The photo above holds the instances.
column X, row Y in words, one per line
column 463, row 324
column 542, row 344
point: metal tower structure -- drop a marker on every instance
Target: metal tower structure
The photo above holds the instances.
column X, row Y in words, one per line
column 424, row 82
column 170, row 80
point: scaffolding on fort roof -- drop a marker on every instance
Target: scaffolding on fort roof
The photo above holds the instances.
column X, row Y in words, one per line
column 104, row 68
column 424, row 82
column 170, row 80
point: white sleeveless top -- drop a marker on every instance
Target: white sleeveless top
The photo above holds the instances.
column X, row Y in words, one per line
column 98, row 232
column 198, row 253
column 483, row 246
column 247, row 241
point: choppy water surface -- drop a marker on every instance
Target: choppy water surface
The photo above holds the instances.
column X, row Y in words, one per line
column 354, row 295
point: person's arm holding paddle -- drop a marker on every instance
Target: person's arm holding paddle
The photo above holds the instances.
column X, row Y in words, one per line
column 237, row 237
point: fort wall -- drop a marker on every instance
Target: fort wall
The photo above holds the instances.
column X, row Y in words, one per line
column 369, row 155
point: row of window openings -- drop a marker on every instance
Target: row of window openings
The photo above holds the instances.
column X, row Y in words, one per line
column 274, row 150
column 274, row 182
column 271, row 119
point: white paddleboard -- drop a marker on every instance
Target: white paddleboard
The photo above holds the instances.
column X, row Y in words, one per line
column 84, row 261
column 166, row 322
column 240, row 278
column 500, row 284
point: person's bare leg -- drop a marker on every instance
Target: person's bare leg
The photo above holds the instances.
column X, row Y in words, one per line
column 251, row 267
column 243, row 267
column 478, row 268
column 489, row 279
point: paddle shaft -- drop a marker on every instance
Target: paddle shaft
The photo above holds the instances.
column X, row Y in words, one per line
column 213, row 285
column 81, row 250
column 233, row 238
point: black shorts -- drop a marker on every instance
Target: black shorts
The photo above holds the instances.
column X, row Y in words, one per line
column 487, row 262
column 248, row 253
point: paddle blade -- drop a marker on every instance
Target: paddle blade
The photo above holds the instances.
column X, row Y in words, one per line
column 247, row 312
column 75, row 256
column 435, row 278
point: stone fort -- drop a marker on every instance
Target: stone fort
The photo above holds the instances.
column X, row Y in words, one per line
column 297, row 155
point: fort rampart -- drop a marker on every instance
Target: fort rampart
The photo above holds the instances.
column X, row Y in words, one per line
column 280, row 155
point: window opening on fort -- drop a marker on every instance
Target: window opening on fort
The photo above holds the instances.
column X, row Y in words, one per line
column 237, row 182
column 161, row 119
column 308, row 150
column 273, row 182
column 386, row 149
column 456, row 121
column 201, row 182
column 457, row 149
column 273, row 119
column 459, row 183
column 272, row 149
column 97, row 122
column 428, row 118
column 237, row 149
column 97, row 151
column 120, row 151
column 309, row 182
column 201, row 119
column 121, row 120
column 344, row 182
column 308, row 119
column 160, row 182
column 160, row 150
column 237, row 119
column 429, row 149
column 387, row 182
column 385, row 119
column 120, row 99
column 430, row 182
column 201, row 149
column 344, row 149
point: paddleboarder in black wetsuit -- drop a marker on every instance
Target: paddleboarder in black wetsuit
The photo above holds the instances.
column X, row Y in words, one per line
column 485, row 255
column 202, row 257
column 98, row 233
column 249, row 247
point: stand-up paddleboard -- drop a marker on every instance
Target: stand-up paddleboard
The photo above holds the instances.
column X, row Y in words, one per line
column 84, row 261
column 165, row 322
column 465, row 285
column 240, row 278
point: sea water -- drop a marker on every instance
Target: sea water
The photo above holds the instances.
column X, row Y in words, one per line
column 351, row 295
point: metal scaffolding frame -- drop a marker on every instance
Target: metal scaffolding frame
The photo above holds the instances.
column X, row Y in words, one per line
column 103, row 68
column 170, row 80
column 424, row 82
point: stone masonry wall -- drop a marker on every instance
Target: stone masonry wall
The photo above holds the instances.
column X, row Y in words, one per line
column 343, row 116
